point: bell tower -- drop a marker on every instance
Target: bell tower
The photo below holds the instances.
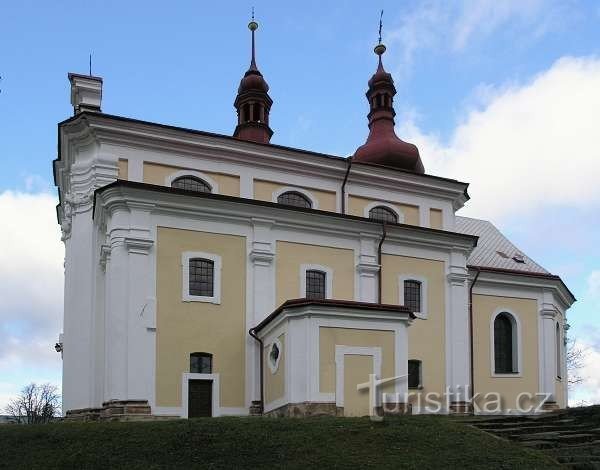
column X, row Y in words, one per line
column 253, row 102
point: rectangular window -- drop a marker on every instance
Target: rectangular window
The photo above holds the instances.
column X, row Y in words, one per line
column 201, row 363
column 412, row 295
column 315, row 284
column 414, row 374
column 201, row 277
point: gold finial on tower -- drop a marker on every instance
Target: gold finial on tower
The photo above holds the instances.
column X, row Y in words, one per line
column 380, row 48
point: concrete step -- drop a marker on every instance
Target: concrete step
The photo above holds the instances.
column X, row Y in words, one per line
column 539, row 444
column 540, row 428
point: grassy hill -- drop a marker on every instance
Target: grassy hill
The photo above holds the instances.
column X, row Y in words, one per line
column 406, row 442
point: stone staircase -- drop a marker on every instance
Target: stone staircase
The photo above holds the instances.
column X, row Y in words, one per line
column 571, row 437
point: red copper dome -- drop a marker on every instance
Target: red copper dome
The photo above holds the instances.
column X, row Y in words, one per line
column 383, row 147
column 253, row 81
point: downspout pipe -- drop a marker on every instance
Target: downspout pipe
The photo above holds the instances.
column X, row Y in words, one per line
column 384, row 234
column 344, row 184
column 478, row 272
column 252, row 332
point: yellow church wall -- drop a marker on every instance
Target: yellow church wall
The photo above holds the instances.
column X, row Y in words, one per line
column 290, row 257
column 435, row 219
column 357, row 204
column 274, row 383
column 484, row 307
column 426, row 337
column 186, row 327
column 123, row 170
column 263, row 191
column 155, row 173
column 330, row 337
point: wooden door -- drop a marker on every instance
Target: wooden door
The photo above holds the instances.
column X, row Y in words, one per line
column 199, row 398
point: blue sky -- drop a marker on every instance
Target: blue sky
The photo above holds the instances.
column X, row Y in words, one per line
column 500, row 94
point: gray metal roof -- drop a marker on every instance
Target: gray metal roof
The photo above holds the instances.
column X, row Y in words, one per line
column 493, row 249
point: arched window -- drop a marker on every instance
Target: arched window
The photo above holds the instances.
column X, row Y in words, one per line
column 505, row 344
column 191, row 183
column 383, row 214
column 294, row 198
column 558, row 353
column 201, row 363
column 315, row 284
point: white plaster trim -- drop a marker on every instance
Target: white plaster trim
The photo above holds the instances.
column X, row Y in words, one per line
column 517, row 343
column 214, row 186
column 387, row 205
column 317, row 267
column 232, row 411
column 186, row 377
column 273, row 367
column 167, row 411
column 424, row 312
column 185, row 264
column 340, row 352
column 313, row 200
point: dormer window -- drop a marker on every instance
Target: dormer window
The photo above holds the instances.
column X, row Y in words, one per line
column 294, row 198
column 383, row 214
column 191, row 183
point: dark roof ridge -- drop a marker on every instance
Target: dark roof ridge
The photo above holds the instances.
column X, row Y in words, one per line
column 302, row 302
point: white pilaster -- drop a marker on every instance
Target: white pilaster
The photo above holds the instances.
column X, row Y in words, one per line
column 262, row 284
column 457, row 329
column 548, row 346
column 368, row 269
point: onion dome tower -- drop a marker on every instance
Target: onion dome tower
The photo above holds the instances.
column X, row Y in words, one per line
column 383, row 147
column 253, row 102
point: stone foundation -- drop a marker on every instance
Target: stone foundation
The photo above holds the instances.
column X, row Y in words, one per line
column 394, row 409
column 461, row 408
column 550, row 406
column 114, row 410
column 301, row 410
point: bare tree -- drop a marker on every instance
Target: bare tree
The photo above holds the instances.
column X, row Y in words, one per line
column 575, row 361
column 35, row 404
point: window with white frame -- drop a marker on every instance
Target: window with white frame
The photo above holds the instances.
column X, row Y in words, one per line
column 505, row 344
column 191, row 183
column 294, row 198
column 413, row 294
column 383, row 214
column 201, row 277
column 316, row 281
column 274, row 355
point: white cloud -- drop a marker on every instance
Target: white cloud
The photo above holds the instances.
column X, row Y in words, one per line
column 455, row 26
column 593, row 283
column 31, row 282
column 530, row 146
column 588, row 392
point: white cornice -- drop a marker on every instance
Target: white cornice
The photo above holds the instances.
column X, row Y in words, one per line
column 239, row 211
column 390, row 317
column 510, row 281
column 108, row 129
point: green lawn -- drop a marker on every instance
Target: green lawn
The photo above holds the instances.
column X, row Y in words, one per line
column 406, row 442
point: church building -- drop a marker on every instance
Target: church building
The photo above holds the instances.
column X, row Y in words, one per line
column 211, row 275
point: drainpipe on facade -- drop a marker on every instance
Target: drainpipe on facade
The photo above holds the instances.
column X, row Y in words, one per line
column 344, row 185
column 261, row 405
column 471, row 331
column 379, row 261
